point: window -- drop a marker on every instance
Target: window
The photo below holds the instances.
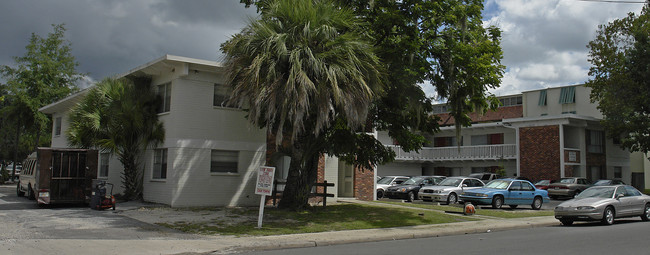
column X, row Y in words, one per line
column 57, row 126
column 594, row 141
column 618, row 172
column 442, row 108
column 444, row 141
column 542, row 98
column 527, row 187
column 221, row 94
column 160, row 164
column 568, row 95
column 515, row 186
column 165, row 92
column 103, row 164
column 224, row 161
column 511, row 101
column 479, row 140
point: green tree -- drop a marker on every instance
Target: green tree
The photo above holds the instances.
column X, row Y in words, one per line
column 442, row 42
column 45, row 74
column 119, row 116
column 306, row 72
column 620, row 58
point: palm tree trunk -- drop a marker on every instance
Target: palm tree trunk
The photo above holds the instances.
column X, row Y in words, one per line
column 303, row 173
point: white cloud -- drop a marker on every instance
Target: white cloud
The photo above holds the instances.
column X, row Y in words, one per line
column 544, row 41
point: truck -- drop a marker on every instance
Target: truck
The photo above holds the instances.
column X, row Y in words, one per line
column 58, row 175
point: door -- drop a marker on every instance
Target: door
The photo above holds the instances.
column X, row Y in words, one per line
column 346, row 180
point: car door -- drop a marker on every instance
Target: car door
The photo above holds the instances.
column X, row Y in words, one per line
column 624, row 202
column 637, row 203
column 513, row 195
column 527, row 193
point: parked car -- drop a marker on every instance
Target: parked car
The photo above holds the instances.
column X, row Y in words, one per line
column 604, row 203
column 10, row 168
column 485, row 177
column 608, row 182
column 510, row 192
column 447, row 190
column 543, row 184
column 409, row 189
column 388, row 181
column 568, row 187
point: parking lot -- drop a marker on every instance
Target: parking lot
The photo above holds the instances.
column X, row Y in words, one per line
column 23, row 219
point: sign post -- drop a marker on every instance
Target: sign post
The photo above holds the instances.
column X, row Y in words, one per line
column 264, row 187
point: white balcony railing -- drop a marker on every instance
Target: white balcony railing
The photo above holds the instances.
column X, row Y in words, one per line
column 479, row 152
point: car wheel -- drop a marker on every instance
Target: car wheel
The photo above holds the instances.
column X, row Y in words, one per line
column 513, row 206
column 566, row 222
column 452, row 199
column 18, row 191
column 380, row 194
column 410, row 196
column 30, row 193
column 537, row 203
column 646, row 213
column 608, row 216
column 497, row 202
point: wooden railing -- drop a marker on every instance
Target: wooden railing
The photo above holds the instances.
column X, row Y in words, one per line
column 278, row 193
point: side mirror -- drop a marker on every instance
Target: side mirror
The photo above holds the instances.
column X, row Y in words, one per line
column 464, row 185
column 619, row 196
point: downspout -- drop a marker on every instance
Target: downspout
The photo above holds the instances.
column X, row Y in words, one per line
column 561, row 151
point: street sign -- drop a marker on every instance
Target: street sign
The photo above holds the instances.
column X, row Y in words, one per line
column 265, row 180
column 264, row 187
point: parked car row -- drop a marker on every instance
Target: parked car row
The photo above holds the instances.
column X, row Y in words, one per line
column 410, row 188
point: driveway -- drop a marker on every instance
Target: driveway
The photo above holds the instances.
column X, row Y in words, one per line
column 23, row 219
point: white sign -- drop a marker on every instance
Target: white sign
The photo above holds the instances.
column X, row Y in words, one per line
column 265, row 181
column 573, row 156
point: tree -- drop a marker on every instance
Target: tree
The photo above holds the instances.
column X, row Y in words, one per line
column 305, row 72
column 442, row 42
column 45, row 74
column 620, row 58
column 119, row 116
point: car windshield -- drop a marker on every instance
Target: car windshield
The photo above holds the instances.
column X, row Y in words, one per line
column 602, row 182
column 603, row 192
column 567, row 180
column 413, row 181
column 543, row 182
column 385, row 180
column 498, row 184
column 450, row 182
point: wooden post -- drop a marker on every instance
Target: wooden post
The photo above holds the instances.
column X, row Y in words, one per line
column 325, row 194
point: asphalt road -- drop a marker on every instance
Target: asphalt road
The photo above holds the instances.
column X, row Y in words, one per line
column 626, row 236
column 22, row 218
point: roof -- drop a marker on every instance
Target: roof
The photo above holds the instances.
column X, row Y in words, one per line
column 164, row 64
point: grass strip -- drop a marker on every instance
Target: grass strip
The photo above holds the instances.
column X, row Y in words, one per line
column 520, row 212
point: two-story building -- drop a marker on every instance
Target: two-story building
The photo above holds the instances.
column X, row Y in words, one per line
column 541, row 134
column 211, row 152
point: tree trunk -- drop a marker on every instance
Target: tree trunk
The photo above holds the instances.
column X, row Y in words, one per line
column 303, row 173
column 131, row 177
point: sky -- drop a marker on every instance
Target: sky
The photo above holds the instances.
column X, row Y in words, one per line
column 544, row 41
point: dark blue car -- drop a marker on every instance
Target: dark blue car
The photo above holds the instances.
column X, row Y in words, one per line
column 510, row 192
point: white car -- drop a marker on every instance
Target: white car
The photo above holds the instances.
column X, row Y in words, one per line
column 388, row 181
column 448, row 190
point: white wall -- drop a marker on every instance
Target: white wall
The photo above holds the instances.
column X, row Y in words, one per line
column 398, row 168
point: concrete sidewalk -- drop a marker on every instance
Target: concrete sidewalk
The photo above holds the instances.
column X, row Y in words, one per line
column 231, row 244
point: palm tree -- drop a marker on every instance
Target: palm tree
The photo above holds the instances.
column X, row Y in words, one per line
column 304, row 65
column 118, row 116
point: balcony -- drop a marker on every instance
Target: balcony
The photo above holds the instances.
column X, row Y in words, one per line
column 466, row 153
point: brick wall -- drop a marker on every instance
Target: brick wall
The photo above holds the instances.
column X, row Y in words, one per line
column 539, row 150
column 507, row 112
column 364, row 184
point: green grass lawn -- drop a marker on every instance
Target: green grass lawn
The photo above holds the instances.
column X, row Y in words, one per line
column 506, row 212
column 318, row 219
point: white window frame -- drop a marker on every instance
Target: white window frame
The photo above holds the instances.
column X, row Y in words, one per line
column 165, row 92
column 160, row 165
column 224, row 162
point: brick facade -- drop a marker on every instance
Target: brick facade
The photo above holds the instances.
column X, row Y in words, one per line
column 364, row 184
column 539, row 150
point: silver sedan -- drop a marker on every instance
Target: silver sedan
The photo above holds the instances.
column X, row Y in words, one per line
column 447, row 190
column 604, row 203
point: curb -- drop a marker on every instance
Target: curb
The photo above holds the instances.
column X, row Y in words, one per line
column 388, row 234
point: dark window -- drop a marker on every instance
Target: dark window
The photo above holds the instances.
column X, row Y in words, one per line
column 221, row 95
column 224, row 161
column 160, row 164
column 103, row 164
column 165, row 93
column 527, row 187
column 515, row 186
column 57, row 126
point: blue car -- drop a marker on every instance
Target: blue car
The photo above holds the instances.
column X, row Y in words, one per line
column 510, row 192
